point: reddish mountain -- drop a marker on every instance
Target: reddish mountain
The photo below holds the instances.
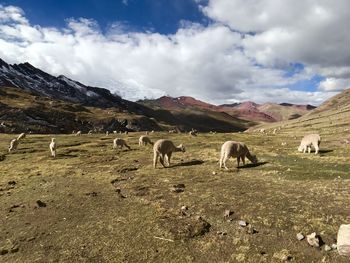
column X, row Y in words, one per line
column 248, row 110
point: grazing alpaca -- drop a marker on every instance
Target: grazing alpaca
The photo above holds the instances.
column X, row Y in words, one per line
column 164, row 148
column 144, row 140
column 308, row 141
column 53, row 147
column 235, row 149
column 13, row 145
column 120, row 143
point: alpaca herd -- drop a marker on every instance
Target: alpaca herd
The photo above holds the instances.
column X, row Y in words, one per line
column 163, row 148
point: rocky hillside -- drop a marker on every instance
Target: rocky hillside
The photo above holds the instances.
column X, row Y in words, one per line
column 33, row 100
column 23, row 111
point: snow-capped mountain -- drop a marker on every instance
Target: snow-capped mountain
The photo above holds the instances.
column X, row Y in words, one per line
column 30, row 78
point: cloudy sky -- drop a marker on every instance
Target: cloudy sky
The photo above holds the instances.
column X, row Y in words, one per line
column 220, row 51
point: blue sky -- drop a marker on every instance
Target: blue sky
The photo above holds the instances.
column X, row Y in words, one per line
column 218, row 51
column 161, row 16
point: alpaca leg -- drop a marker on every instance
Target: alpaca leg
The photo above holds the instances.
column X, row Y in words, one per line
column 238, row 159
column 221, row 160
column 155, row 159
column 316, row 149
column 169, row 157
column 224, row 161
column 161, row 159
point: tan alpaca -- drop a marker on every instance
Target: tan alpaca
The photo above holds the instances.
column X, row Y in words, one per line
column 118, row 142
column 21, row 136
column 144, row 140
column 235, row 149
column 164, row 148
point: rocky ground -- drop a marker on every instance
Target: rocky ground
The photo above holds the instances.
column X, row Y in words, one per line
column 96, row 204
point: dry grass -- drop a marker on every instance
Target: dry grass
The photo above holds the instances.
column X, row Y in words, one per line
column 85, row 219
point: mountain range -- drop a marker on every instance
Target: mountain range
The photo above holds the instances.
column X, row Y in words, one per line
column 31, row 99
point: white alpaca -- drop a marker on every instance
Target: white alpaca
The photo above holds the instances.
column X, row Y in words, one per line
column 78, row 133
column 53, row 147
column 21, row 136
column 118, row 142
column 144, row 140
column 235, row 149
column 13, row 145
column 164, row 148
column 192, row 133
column 308, row 141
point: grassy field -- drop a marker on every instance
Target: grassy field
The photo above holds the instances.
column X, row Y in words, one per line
column 86, row 220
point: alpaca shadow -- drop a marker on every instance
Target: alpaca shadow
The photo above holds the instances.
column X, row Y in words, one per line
column 189, row 163
column 251, row 165
column 65, row 155
column 323, row 152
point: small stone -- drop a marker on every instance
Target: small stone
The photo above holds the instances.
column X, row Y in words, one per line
column 283, row 255
column 313, row 240
column 227, row 213
column 179, row 186
column 252, row 230
column 177, row 190
column 214, row 173
column 3, row 251
column 242, row 223
column 334, row 246
column 12, row 182
column 14, row 249
column 119, row 193
column 183, row 210
column 343, row 240
column 327, row 248
column 40, row 203
column 300, row 236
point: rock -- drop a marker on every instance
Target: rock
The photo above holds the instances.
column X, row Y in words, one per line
column 12, row 182
column 313, row 240
column 222, row 233
column 93, row 194
column 343, row 240
column 252, row 230
column 119, row 193
column 242, row 223
column 183, row 210
column 283, row 255
column 14, row 249
column 227, row 213
column 3, row 251
column 334, row 246
column 300, row 236
column 30, row 239
column 41, row 203
column 214, row 173
column 178, row 188
column 327, row 248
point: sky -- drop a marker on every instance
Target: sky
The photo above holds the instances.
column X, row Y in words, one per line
column 219, row 51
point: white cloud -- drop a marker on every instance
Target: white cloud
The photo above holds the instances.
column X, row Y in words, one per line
column 213, row 63
column 333, row 84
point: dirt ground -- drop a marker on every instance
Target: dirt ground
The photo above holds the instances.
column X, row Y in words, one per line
column 96, row 204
